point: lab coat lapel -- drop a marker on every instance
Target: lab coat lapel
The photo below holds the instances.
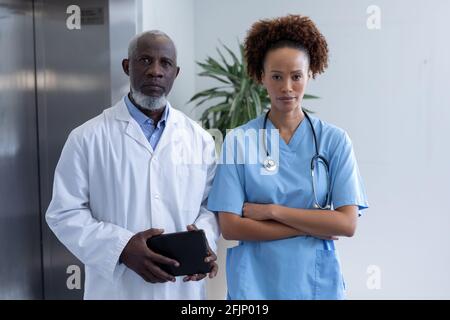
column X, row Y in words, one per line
column 134, row 131
column 132, row 128
column 168, row 137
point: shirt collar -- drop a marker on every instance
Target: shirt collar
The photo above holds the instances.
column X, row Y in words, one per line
column 141, row 118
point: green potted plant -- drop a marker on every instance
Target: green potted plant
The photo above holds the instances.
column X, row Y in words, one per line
column 240, row 97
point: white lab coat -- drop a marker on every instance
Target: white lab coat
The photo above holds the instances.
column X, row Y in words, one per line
column 109, row 184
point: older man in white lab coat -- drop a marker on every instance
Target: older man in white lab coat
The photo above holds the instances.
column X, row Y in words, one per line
column 138, row 169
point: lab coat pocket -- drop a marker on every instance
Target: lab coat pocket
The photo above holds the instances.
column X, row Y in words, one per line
column 329, row 283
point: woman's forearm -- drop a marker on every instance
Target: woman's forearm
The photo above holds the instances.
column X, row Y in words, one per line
column 238, row 228
column 341, row 222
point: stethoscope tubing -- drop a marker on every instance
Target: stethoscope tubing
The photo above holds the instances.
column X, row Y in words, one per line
column 316, row 157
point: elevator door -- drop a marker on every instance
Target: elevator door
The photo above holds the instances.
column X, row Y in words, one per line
column 73, row 71
column 20, row 241
column 78, row 74
column 53, row 78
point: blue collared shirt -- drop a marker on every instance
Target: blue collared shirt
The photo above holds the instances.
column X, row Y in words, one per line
column 151, row 131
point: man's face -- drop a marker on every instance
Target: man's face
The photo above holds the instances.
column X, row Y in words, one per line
column 153, row 67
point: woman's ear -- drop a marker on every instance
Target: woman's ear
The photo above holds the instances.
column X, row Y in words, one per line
column 310, row 74
column 261, row 81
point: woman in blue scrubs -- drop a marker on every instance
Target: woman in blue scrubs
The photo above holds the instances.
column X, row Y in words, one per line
column 284, row 226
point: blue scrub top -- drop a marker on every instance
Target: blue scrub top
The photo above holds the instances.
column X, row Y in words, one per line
column 300, row 267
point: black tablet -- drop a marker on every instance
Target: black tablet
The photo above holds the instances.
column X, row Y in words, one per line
column 189, row 248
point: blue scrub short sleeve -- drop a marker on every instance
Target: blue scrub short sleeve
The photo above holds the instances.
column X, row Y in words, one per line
column 227, row 192
column 347, row 187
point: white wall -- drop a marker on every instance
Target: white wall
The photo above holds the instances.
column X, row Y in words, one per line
column 389, row 89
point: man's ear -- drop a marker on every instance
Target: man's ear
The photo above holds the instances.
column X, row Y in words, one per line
column 126, row 66
column 178, row 71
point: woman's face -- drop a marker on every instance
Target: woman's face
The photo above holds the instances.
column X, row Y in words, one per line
column 285, row 75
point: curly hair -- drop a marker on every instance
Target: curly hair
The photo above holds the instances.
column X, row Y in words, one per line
column 290, row 31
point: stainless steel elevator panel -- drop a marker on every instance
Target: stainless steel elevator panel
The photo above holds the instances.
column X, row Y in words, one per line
column 74, row 84
column 20, row 241
column 52, row 79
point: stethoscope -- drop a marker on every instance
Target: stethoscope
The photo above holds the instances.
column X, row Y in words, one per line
column 270, row 164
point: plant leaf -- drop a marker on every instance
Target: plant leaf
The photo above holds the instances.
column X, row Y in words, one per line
column 310, row 96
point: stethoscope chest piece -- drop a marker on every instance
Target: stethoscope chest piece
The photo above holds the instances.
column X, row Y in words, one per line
column 270, row 164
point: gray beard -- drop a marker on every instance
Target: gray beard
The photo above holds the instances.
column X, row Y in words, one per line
column 147, row 102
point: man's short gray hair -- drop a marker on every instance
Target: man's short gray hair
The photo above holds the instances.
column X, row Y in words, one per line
column 134, row 41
